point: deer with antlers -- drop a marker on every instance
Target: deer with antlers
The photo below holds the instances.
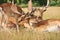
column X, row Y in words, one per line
column 36, row 22
column 41, row 26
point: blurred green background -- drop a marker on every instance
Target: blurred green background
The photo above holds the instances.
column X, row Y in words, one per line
column 23, row 3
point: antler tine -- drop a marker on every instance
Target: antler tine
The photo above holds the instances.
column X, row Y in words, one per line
column 30, row 6
column 33, row 11
column 47, row 3
column 45, row 8
column 22, row 17
column 12, row 1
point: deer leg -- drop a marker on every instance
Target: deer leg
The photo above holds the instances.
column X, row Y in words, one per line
column 17, row 26
column 1, row 18
column 4, row 23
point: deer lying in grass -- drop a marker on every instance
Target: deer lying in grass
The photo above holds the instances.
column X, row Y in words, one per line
column 45, row 25
column 41, row 26
column 31, row 13
column 35, row 22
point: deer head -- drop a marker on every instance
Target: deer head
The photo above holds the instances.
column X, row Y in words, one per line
column 37, row 11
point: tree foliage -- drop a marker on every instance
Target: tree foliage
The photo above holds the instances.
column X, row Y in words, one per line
column 35, row 2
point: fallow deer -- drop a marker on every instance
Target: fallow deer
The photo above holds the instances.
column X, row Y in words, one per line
column 46, row 25
column 42, row 25
column 11, row 11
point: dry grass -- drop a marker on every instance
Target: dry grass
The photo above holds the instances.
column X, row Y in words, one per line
column 30, row 35
column 52, row 12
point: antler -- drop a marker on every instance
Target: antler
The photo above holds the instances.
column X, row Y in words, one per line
column 45, row 8
column 31, row 11
column 30, row 6
column 47, row 3
column 12, row 1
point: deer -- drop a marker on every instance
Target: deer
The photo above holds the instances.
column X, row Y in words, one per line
column 31, row 10
column 48, row 25
column 11, row 13
column 36, row 23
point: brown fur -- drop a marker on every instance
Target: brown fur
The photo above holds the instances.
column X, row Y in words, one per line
column 44, row 24
column 12, row 12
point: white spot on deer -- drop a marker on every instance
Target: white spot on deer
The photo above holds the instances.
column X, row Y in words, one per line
column 52, row 28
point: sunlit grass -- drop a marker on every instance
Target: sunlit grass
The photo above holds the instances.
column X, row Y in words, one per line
column 29, row 35
column 50, row 16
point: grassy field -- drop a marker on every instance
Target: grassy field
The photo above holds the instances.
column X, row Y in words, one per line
column 52, row 12
column 29, row 35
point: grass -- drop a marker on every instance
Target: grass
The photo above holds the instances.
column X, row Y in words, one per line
column 52, row 12
column 29, row 35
